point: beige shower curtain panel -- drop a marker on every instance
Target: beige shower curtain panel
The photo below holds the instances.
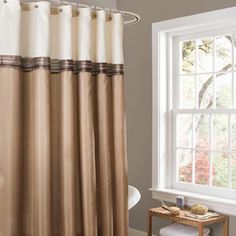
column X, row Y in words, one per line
column 62, row 122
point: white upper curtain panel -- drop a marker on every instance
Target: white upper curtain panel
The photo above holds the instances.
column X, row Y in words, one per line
column 38, row 29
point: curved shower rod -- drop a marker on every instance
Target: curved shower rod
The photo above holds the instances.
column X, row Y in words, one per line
column 133, row 18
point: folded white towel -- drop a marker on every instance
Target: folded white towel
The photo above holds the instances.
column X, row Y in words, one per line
column 181, row 230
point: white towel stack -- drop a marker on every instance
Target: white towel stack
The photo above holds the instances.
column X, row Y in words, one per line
column 182, row 230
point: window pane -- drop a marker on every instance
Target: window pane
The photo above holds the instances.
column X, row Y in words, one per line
column 205, row 91
column 220, row 169
column 233, row 133
column 223, row 88
column 223, row 58
column 205, row 55
column 220, row 132
column 233, row 165
column 187, row 92
column 188, row 49
column 184, row 161
column 202, row 131
column 184, row 131
column 202, row 167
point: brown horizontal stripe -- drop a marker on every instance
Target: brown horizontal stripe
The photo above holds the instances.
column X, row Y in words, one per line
column 116, row 69
column 29, row 64
column 83, row 66
column 100, row 68
column 57, row 66
column 14, row 61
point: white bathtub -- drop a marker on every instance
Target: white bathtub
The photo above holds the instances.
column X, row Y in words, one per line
column 134, row 197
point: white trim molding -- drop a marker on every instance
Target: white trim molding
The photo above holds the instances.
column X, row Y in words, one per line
column 162, row 111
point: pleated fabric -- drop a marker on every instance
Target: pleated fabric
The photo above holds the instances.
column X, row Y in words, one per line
column 63, row 164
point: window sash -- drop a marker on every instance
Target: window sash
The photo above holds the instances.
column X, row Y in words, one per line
column 175, row 59
column 175, row 111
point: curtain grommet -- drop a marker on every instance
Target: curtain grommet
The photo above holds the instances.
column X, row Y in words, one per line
column 36, row 6
column 5, row 1
column 60, row 10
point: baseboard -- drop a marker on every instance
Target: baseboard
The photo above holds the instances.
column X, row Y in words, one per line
column 134, row 232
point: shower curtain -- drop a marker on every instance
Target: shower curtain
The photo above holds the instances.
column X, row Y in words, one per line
column 62, row 122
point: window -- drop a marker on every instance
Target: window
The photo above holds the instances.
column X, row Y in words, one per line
column 204, row 112
column 194, row 109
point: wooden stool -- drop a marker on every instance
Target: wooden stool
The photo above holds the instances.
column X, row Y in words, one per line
column 183, row 219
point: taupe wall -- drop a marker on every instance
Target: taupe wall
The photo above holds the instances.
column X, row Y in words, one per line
column 101, row 3
column 139, row 88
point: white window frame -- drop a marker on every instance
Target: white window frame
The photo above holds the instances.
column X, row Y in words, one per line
column 162, row 38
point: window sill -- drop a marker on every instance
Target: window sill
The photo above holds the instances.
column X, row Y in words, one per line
column 224, row 206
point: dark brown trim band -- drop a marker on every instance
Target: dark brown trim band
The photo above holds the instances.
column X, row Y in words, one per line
column 83, row 66
column 100, row 68
column 57, row 66
column 116, row 69
column 14, row 61
column 29, row 64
